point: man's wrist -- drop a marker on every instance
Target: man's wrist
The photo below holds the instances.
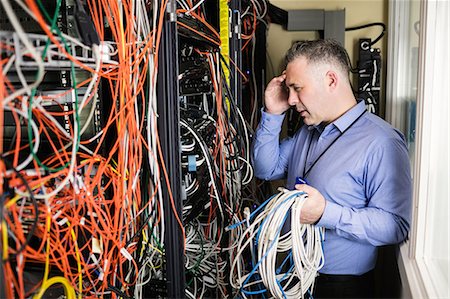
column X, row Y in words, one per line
column 273, row 112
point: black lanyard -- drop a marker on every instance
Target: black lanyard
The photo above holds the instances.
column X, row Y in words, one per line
column 305, row 173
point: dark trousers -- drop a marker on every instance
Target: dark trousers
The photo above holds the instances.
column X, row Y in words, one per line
column 344, row 286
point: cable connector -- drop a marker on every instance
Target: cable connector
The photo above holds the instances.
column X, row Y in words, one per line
column 247, row 215
column 126, row 254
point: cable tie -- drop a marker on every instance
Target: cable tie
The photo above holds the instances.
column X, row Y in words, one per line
column 96, row 246
column 94, row 258
column 82, row 221
column 208, row 279
column 105, row 54
column 62, row 221
column 80, row 182
column 57, row 214
column 33, row 172
column 126, row 254
column 93, row 214
column 73, row 180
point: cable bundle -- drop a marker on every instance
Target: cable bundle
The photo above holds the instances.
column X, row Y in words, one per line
column 284, row 264
column 82, row 210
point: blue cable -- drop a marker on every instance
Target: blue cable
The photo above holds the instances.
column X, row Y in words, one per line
column 233, row 226
column 284, row 262
column 254, row 270
column 265, row 255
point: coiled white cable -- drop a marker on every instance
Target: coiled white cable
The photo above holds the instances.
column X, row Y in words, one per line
column 301, row 249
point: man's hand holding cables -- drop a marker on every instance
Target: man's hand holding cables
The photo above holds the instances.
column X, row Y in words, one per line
column 314, row 205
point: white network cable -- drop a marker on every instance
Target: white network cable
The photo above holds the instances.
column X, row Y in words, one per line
column 300, row 248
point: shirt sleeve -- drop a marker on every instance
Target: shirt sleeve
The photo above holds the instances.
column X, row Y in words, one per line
column 269, row 156
column 387, row 216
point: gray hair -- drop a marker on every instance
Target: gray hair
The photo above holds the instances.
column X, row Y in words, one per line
column 320, row 51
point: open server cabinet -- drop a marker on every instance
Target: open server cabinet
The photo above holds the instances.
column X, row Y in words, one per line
column 199, row 103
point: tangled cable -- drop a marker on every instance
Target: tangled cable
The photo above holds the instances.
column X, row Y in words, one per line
column 284, row 262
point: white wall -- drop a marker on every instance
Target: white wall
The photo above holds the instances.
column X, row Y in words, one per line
column 356, row 13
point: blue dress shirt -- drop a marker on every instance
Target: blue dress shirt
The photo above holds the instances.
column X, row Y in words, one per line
column 364, row 176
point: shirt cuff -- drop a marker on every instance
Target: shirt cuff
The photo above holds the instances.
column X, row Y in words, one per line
column 269, row 120
column 330, row 216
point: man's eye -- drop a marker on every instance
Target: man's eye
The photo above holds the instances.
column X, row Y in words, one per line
column 297, row 88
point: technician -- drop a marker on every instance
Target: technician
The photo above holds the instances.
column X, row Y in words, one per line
column 355, row 164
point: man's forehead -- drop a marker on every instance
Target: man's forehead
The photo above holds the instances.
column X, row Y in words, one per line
column 295, row 74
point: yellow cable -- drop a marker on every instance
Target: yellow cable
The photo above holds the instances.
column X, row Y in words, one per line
column 17, row 197
column 224, row 43
column 116, row 171
column 5, row 241
column 12, row 201
column 46, row 283
column 224, row 36
column 80, row 276
column 68, row 289
column 160, row 252
column 47, row 255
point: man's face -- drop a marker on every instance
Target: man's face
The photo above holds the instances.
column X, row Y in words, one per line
column 307, row 91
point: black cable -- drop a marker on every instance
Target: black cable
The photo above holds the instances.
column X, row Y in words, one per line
column 118, row 291
column 277, row 15
column 367, row 26
column 230, row 95
column 35, row 205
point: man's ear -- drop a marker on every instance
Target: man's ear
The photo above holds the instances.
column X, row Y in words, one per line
column 332, row 79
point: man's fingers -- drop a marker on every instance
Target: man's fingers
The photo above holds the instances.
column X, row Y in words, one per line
column 280, row 79
column 303, row 187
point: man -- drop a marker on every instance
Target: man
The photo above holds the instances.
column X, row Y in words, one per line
column 355, row 164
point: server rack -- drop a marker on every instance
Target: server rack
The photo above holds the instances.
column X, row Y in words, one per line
column 168, row 121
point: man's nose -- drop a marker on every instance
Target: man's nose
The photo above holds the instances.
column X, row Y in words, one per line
column 293, row 98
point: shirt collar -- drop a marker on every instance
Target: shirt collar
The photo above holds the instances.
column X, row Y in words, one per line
column 343, row 122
